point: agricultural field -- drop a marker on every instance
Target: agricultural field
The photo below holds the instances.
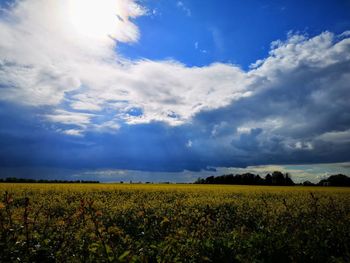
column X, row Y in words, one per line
column 173, row 223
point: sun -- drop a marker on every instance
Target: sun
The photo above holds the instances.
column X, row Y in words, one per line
column 95, row 19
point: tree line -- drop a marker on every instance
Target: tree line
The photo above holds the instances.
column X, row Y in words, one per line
column 25, row 180
column 276, row 178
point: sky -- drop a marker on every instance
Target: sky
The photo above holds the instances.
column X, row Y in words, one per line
column 174, row 90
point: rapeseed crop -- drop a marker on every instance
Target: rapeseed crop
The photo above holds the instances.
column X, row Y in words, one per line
column 173, row 223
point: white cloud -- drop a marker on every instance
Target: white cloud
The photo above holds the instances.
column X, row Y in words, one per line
column 189, row 144
column 70, row 118
column 196, row 46
column 318, row 52
column 48, row 53
column 62, row 55
column 72, row 132
column 303, row 145
column 336, row 136
column 184, row 8
column 84, row 105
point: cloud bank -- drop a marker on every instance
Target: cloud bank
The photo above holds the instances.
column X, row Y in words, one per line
column 59, row 68
column 47, row 61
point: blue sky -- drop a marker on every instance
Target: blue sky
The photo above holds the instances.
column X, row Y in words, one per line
column 237, row 32
column 173, row 90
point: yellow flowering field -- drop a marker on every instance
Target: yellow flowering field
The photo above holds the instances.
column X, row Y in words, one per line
column 173, row 223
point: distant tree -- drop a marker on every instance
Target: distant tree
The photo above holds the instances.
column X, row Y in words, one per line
column 277, row 178
column 308, row 183
column 289, row 180
column 199, row 181
column 210, row 180
column 336, row 180
column 268, row 179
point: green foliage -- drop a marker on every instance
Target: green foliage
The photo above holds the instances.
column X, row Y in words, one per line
column 157, row 223
column 277, row 178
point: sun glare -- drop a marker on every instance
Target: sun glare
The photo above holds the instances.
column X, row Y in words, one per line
column 94, row 19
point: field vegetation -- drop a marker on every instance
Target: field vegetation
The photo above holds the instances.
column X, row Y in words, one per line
column 173, row 223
